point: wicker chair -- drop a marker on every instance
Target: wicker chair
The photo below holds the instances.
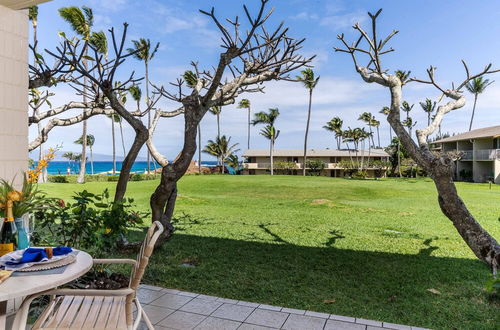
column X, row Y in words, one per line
column 96, row 309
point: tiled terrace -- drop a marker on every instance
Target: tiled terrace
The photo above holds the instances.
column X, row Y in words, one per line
column 173, row 309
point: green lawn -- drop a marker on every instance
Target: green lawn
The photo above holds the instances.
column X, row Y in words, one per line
column 369, row 249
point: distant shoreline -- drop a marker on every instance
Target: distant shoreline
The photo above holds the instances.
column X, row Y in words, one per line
column 60, row 167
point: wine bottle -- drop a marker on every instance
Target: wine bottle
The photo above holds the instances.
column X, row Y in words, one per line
column 8, row 234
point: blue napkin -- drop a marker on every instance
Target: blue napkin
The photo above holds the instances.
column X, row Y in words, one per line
column 37, row 254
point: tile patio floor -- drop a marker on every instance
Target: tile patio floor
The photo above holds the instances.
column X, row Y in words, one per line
column 173, row 309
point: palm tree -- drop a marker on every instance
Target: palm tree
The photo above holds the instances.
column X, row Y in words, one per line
column 81, row 21
column 375, row 123
column 90, row 143
column 245, row 104
column 221, row 148
column 115, row 118
column 368, row 118
column 142, row 52
column 335, row 126
column 346, row 138
column 362, row 135
column 269, row 131
column 386, row 111
column 428, row 106
column 309, row 81
column 476, row 86
column 234, row 162
column 70, row 157
column 216, row 110
column 408, row 123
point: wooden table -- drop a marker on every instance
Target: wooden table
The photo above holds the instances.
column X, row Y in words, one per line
column 17, row 287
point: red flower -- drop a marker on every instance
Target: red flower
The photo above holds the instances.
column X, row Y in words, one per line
column 61, row 203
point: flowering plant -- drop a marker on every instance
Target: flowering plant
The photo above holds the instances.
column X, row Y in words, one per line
column 25, row 201
column 34, row 173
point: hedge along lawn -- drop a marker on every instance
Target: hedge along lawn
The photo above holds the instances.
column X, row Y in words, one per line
column 368, row 249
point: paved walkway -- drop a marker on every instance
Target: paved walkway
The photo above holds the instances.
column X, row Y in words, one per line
column 173, row 309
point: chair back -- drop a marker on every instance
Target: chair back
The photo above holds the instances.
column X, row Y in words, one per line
column 147, row 248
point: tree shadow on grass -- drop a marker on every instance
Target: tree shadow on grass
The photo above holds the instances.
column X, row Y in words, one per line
column 335, row 235
column 375, row 285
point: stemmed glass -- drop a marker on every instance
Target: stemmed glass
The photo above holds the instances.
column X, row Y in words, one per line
column 29, row 226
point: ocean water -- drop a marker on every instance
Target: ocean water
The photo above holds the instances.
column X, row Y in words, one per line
column 62, row 167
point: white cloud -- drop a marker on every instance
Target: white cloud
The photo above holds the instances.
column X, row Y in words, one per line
column 304, row 15
column 113, row 5
column 343, row 21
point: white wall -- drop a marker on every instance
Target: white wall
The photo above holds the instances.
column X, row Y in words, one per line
column 13, row 93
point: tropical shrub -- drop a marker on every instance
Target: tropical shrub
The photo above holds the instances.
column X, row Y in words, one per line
column 379, row 167
column 58, row 178
column 91, row 222
column 361, row 174
column 285, row 168
column 315, row 167
column 101, row 178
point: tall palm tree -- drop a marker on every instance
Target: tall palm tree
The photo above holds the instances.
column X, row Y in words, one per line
column 476, row 86
column 375, row 123
column 143, row 52
column 115, row 118
column 81, row 21
column 386, row 111
column 309, row 81
column 90, row 143
column 269, row 131
column 368, row 118
column 428, row 106
column 346, row 138
column 245, row 104
column 335, row 126
column 216, row 111
column 221, row 148
column 362, row 135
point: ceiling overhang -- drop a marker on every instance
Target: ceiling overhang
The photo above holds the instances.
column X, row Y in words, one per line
column 20, row 4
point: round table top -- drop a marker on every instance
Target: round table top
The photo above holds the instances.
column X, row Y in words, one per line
column 34, row 282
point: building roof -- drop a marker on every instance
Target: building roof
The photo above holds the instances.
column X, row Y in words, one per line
column 312, row 153
column 20, row 4
column 486, row 132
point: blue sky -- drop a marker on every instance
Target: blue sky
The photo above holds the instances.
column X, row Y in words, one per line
column 438, row 33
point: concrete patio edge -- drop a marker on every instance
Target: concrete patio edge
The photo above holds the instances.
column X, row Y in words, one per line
column 175, row 309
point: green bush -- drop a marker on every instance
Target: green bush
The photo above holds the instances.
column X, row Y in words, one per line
column 315, row 167
column 101, row 178
column 360, row 175
column 285, row 168
column 143, row 177
column 58, row 179
column 113, row 178
column 91, row 222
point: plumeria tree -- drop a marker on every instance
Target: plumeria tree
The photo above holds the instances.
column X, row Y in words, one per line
column 440, row 167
